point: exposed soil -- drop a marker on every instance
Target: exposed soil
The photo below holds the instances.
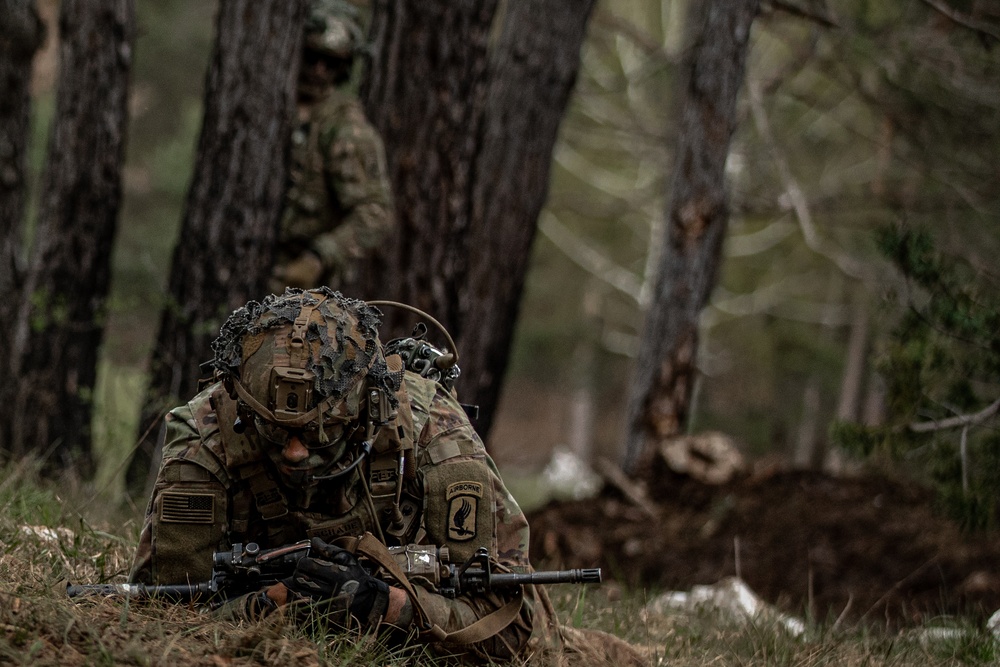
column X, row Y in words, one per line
column 806, row 542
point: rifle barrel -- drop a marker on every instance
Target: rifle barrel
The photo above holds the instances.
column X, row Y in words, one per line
column 576, row 576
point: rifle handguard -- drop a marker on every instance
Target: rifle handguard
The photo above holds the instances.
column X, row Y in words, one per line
column 476, row 575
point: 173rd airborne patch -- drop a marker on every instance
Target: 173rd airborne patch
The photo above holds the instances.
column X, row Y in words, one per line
column 463, row 503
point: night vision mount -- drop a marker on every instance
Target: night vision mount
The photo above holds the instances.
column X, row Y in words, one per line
column 420, row 356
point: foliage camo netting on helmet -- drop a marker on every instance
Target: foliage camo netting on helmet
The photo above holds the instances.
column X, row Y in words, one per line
column 332, row 380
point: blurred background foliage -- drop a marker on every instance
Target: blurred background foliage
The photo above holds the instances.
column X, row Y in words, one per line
column 856, row 116
column 861, row 123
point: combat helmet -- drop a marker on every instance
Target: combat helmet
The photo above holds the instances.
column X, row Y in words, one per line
column 309, row 362
column 332, row 29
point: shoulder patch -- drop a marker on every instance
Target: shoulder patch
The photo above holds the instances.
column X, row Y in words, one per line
column 463, row 502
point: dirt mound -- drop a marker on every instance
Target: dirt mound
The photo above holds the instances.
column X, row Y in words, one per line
column 868, row 548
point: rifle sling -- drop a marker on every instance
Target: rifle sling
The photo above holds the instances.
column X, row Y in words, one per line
column 369, row 546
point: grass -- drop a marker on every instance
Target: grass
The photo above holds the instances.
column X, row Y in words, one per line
column 54, row 533
column 118, row 395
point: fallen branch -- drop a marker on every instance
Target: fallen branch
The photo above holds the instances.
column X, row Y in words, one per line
column 898, row 585
column 843, row 614
column 614, row 476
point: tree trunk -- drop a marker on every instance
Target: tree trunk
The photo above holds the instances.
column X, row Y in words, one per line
column 873, row 411
column 849, row 403
column 425, row 93
column 583, row 403
column 470, row 162
column 533, row 73
column 59, row 325
column 696, row 223
column 808, row 452
column 225, row 250
column 21, row 33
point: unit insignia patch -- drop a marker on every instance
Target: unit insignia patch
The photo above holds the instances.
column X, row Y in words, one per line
column 463, row 504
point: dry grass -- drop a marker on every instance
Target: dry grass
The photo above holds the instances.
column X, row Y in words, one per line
column 703, row 638
column 51, row 534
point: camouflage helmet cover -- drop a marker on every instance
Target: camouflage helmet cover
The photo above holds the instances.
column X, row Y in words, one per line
column 318, row 335
column 332, row 28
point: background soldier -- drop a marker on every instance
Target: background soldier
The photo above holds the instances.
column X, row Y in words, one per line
column 338, row 205
column 312, row 431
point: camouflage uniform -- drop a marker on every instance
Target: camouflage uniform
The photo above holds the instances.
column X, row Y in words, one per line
column 339, row 202
column 216, row 487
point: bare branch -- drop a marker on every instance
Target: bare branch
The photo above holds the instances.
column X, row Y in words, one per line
column 620, row 342
column 955, row 422
column 589, row 259
column 964, row 20
column 778, row 300
column 847, row 264
column 804, row 54
column 624, row 118
column 612, row 183
column 753, row 243
column 638, row 36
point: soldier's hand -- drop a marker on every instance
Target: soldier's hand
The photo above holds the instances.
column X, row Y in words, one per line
column 329, row 573
column 304, row 271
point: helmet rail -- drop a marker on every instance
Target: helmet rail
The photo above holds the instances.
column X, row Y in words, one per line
column 443, row 362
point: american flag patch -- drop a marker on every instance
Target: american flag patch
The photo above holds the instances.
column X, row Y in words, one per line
column 187, row 508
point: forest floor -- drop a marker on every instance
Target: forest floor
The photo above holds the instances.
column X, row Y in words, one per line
column 866, row 549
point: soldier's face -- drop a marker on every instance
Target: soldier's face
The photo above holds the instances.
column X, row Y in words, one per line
column 319, row 72
column 299, row 455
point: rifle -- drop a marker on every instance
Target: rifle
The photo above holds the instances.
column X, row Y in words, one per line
column 246, row 568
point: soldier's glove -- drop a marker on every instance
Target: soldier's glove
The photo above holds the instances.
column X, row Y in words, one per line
column 330, row 573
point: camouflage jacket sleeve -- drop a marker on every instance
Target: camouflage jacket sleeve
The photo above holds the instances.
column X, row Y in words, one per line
column 467, row 506
column 355, row 170
column 186, row 515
